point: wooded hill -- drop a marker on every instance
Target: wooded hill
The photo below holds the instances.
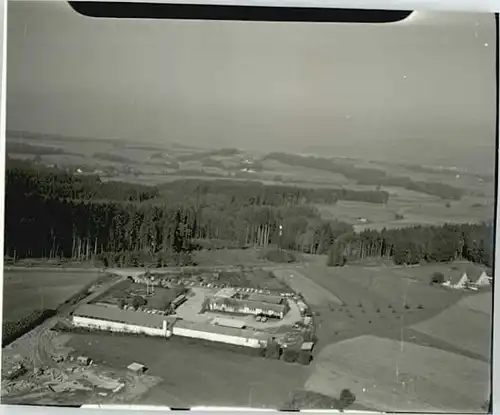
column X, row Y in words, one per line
column 53, row 214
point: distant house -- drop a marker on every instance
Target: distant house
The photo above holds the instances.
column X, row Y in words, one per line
column 468, row 277
column 484, row 279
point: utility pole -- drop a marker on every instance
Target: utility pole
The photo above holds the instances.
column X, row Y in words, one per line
column 280, row 236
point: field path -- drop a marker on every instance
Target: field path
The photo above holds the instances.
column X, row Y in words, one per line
column 313, row 293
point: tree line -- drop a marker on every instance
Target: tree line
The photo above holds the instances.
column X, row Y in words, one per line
column 369, row 176
column 257, row 193
column 25, row 178
column 25, row 148
column 413, row 245
column 80, row 218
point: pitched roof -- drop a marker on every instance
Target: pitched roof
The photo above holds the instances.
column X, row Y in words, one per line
column 118, row 315
column 229, row 331
column 235, row 302
column 270, row 299
column 136, row 366
column 225, row 293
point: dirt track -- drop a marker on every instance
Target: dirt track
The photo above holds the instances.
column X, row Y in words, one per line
column 35, row 345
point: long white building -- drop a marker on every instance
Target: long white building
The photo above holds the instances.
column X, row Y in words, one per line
column 114, row 319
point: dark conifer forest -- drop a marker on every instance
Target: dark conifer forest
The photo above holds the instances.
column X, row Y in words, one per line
column 53, row 214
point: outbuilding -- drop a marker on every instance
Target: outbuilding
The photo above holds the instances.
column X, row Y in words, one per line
column 137, row 368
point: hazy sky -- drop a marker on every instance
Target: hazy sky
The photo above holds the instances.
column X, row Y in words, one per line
column 233, row 83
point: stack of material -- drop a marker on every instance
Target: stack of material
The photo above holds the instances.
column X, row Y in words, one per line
column 84, row 360
column 272, row 350
column 290, row 355
column 304, row 357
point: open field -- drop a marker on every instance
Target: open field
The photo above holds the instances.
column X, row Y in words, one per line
column 28, row 290
column 413, row 209
column 467, row 323
column 392, row 376
column 228, row 257
column 442, row 336
column 195, row 374
column 390, row 301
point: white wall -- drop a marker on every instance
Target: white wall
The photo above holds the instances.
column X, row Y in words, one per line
column 93, row 323
column 86, row 322
column 216, row 337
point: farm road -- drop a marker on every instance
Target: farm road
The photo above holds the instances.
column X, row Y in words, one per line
column 36, row 344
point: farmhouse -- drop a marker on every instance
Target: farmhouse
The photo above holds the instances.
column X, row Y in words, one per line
column 246, row 306
column 256, row 304
column 484, row 279
column 468, row 277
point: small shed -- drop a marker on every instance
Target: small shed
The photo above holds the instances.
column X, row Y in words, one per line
column 84, row 360
column 137, row 368
column 307, row 346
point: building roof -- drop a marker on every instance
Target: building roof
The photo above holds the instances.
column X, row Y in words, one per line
column 307, row 346
column 118, row 315
column 271, row 299
column 225, row 293
column 136, row 367
column 228, row 331
column 278, row 308
column 472, row 271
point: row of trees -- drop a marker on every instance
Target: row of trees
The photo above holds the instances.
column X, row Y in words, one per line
column 257, row 193
column 23, row 178
column 369, row 176
column 25, row 148
column 473, row 242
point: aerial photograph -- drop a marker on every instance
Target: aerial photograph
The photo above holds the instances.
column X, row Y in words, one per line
column 279, row 215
